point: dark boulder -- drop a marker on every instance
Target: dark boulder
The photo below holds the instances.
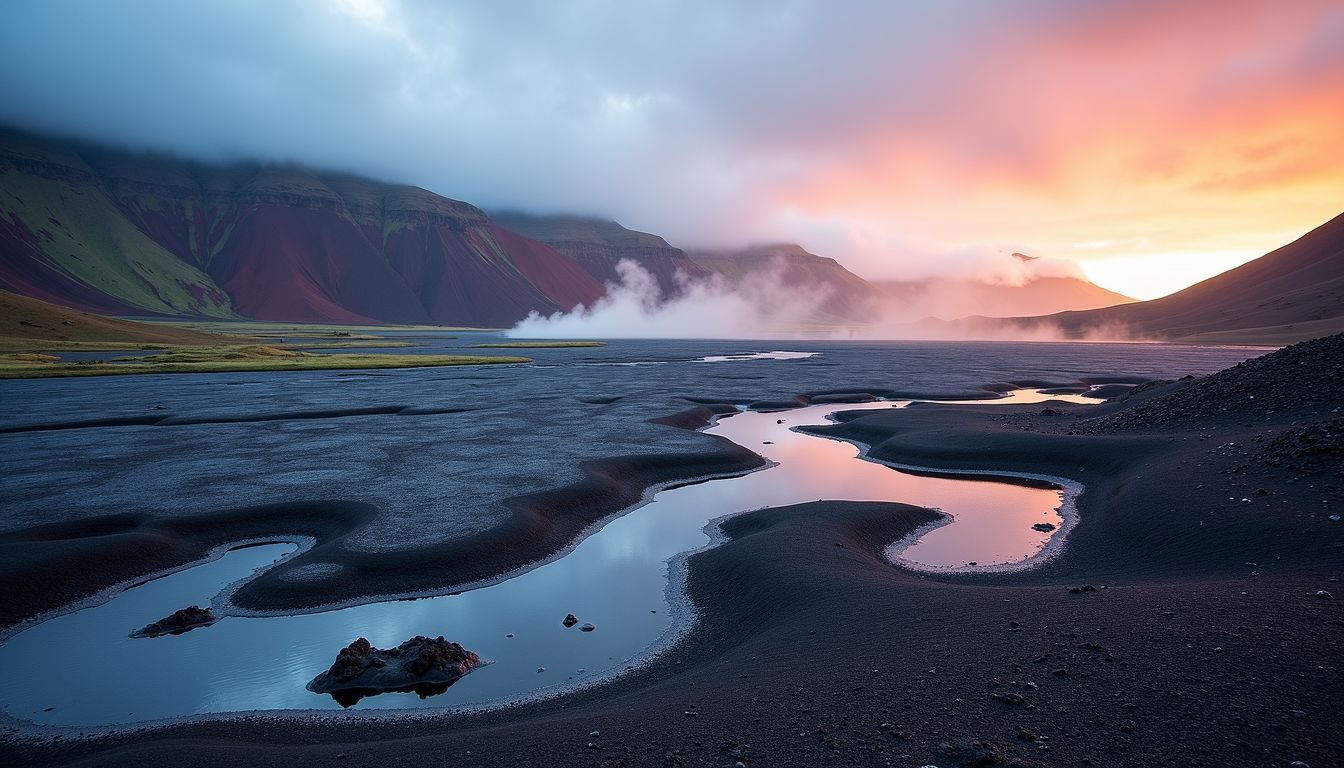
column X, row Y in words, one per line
column 426, row 666
column 181, row 620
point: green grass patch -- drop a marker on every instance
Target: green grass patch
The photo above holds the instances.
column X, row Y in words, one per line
column 272, row 328
column 349, row 345
column 229, row 359
column 538, row 344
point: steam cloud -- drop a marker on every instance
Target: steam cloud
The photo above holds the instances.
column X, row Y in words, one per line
column 766, row 306
column 635, row 308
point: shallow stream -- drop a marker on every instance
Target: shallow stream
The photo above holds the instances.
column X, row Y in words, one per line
column 82, row 668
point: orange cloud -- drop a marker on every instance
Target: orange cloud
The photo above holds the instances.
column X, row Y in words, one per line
column 1186, row 130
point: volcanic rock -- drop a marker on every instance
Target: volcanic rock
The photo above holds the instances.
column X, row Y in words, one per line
column 181, row 620
column 421, row 665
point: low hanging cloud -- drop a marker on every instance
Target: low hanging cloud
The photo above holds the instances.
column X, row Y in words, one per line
column 887, row 136
column 634, row 307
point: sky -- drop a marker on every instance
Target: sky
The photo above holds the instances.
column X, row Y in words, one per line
column 1154, row 143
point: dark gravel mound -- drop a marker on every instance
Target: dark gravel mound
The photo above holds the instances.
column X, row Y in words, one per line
column 1306, row 378
column 1308, row 448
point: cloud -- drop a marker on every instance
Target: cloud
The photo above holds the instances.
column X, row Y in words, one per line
column 895, row 136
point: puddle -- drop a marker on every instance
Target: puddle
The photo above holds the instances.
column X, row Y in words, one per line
column 776, row 355
column 82, row 668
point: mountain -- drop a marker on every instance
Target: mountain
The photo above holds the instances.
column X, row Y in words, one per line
column 111, row 231
column 1290, row 294
column 851, row 298
column 950, row 298
column 844, row 295
column 598, row 245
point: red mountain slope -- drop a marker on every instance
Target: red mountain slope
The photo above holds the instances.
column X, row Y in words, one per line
column 131, row 234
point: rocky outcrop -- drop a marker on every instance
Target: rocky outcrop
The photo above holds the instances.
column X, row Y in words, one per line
column 421, row 665
column 181, row 620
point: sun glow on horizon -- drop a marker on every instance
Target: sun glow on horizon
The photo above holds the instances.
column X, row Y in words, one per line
column 1154, row 275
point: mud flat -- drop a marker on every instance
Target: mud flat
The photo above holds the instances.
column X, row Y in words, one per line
column 1203, row 640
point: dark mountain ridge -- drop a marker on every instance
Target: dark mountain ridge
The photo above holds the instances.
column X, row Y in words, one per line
column 116, row 232
column 1292, row 293
column 600, row 244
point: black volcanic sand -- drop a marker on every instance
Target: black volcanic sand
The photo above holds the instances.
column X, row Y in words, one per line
column 36, row 562
column 1203, row 643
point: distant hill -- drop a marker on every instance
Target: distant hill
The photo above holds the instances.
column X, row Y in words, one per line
column 122, row 233
column 1290, row 294
column 857, row 300
column 847, row 296
column 599, row 244
column 949, row 299
column 24, row 319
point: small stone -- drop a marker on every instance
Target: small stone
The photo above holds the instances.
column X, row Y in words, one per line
column 972, row 752
column 1082, row 589
column 1323, row 594
column 1043, row 527
column 587, row 628
column 541, row 669
column 570, row 620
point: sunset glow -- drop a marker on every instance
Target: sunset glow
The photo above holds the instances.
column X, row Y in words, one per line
column 1155, row 143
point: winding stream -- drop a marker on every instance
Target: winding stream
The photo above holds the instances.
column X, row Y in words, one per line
column 82, row 669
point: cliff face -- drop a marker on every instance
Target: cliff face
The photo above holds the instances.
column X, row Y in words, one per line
column 599, row 245
column 116, row 232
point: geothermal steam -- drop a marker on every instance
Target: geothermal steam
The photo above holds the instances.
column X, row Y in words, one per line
column 768, row 306
column 635, row 308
